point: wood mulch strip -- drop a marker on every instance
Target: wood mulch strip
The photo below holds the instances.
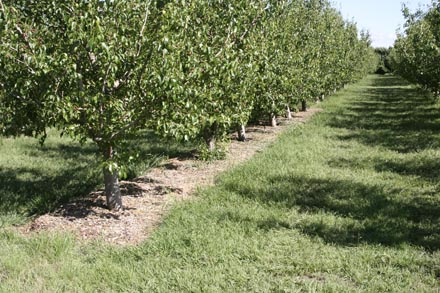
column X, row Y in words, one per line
column 147, row 198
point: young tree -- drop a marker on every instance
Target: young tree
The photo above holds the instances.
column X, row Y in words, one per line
column 272, row 59
column 208, row 55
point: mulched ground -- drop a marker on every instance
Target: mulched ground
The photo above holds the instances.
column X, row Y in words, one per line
column 147, row 198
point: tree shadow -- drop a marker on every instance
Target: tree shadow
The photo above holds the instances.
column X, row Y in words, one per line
column 362, row 213
column 37, row 193
column 28, row 189
column 393, row 115
column 422, row 168
column 417, row 166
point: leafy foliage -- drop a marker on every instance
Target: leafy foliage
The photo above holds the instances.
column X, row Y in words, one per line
column 307, row 50
column 208, row 61
column 416, row 53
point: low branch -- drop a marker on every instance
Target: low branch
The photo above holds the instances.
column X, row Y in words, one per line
column 13, row 49
column 141, row 34
column 245, row 33
column 24, row 37
column 31, row 70
column 254, row 22
column 104, row 82
column 125, row 128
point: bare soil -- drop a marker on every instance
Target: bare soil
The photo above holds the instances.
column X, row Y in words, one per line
column 147, row 198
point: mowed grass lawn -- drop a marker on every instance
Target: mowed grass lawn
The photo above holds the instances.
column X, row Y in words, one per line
column 348, row 202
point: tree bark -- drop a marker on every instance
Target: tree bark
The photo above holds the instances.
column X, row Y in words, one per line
column 209, row 135
column 210, row 142
column 241, row 131
column 288, row 112
column 273, row 120
column 304, row 105
column 112, row 191
column 322, row 97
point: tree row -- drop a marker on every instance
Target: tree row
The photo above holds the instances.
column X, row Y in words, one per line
column 416, row 52
column 192, row 70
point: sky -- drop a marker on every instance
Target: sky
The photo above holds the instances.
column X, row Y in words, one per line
column 382, row 18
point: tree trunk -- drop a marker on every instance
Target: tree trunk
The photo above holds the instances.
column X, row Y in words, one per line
column 304, row 105
column 209, row 135
column 112, row 190
column 241, row 131
column 273, row 120
column 322, row 97
column 210, row 142
column 288, row 112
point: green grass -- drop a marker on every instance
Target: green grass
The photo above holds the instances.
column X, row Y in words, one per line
column 348, row 202
column 35, row 179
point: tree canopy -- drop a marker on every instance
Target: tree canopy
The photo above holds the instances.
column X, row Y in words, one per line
column 416, row 53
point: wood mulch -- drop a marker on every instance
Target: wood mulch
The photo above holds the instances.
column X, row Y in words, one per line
column 147, row 198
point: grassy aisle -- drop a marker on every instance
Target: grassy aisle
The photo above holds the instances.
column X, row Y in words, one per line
column 348, row 202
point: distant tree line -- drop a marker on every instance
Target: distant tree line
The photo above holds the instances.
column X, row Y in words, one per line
column 384, row 63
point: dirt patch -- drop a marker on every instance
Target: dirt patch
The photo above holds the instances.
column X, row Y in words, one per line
column 147, row 198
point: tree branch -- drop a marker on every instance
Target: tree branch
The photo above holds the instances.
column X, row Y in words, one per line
column 141, row 34
column 126, row 127
column 104, row 83
column 252, row 25
column 26, row 41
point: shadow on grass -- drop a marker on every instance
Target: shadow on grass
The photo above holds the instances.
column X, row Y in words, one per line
column 421, row 167
column 396, row 117
column 38, row 193
column 30, row 189
column 392, row 114
column 363, row 213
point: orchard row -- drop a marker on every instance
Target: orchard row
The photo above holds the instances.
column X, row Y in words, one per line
column 416, row 53
column 104, row 70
